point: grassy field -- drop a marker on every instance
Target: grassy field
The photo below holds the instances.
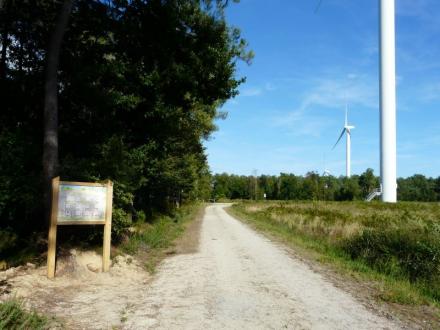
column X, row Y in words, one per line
column 397, row 246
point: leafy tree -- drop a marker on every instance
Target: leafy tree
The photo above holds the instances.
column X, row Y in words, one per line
column 416, row 188
column 311, row 188
column 139, row 84
column 350, row 189
column 368, row 181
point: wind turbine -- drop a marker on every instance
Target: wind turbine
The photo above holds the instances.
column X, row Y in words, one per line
column 326, row 171
column 388, row 162
column 387, row 56
column 347, row 131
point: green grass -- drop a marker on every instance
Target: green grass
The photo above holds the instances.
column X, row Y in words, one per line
column 153, row 239
column 14, row 316
column 396, row 246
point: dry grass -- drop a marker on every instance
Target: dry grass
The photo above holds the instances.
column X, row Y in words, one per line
column 400, row 241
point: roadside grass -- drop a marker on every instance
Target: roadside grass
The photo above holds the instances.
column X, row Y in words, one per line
column 152, row 241
column 397, row 247
column 14, row 316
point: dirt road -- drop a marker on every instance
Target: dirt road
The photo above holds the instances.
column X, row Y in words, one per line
column 237, row 279
column 241, row 280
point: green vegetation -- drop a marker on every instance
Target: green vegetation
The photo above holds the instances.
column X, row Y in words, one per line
column 397, row 245
column 137, row 89
column 152, row 240
column 14, row 316
column 313, row 186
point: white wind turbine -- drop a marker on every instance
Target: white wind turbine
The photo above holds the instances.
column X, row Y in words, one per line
column 387, row 57
column 347, row 131
column 326, row 171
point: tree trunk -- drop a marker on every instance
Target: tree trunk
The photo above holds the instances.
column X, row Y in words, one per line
column 50, row 143
column 5, row 40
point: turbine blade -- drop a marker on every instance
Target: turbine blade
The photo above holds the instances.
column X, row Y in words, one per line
column 318, row 6
column 346, row 114
column 340, row 137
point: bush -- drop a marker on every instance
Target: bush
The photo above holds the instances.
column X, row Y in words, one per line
column 8, row 239
column 410, row 253
column 120, row 222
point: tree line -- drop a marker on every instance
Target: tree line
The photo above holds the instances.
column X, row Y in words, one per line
column 136, row 86
column 313, row 186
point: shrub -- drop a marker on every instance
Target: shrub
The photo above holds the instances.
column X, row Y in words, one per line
column 408, row 252
column 8, row 240
column 120, row 222
column 13, row 316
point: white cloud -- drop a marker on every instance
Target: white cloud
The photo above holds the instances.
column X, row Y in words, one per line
column 333, row 93
column 414, row 8
column 251, row 91
column 270, row 87
column 256, row 91
column 330, row 94
column 430, row 92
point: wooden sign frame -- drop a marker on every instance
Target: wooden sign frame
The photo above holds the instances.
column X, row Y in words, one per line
column 55, row 222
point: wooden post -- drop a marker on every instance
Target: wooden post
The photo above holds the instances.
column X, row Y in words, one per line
column 52, row 239
column 107, row 229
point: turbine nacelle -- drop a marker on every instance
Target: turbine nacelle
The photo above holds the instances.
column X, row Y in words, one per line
column 326, row 173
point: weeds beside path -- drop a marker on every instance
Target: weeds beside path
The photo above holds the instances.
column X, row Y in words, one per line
column 165, row 235
column 82, row 297
column 395, row 248
column 14, row 316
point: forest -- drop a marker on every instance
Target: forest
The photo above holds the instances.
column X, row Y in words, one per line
column 313, row 186
column 120, row 90
column 128, row 91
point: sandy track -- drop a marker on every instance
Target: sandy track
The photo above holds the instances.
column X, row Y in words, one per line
column 236, row 279
column 240, row 280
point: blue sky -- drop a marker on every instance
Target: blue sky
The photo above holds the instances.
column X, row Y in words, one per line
column 290, row 111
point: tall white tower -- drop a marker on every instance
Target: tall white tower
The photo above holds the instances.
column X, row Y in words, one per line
column 388, row 163
column 346, row 130
column 348, row 155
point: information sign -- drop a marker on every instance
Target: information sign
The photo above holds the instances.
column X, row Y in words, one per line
column 80, row 203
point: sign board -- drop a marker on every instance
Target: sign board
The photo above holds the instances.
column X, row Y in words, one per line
column 80, row 203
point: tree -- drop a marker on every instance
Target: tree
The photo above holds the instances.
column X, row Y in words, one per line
column 311, row 188
column 139, row 85
column 350, row 189
column 416, row 188
column 368, row 181
column 50, row 144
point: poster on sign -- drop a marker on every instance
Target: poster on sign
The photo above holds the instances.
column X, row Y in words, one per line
column 80, row 203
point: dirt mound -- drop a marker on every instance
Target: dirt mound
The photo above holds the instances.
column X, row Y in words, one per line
column 80, row 294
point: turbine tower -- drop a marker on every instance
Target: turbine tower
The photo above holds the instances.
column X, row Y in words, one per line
column 387, row 57
column 346, row 130
column 388, row 163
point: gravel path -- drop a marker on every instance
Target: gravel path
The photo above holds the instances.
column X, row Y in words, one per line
column 241, row 280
